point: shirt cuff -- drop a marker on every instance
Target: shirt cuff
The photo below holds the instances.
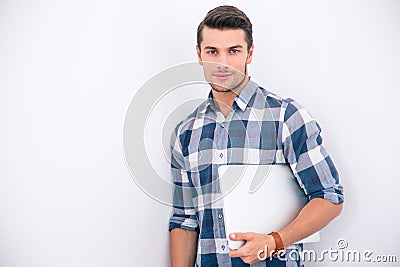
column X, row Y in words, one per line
column 183, row 222
column 333, row 195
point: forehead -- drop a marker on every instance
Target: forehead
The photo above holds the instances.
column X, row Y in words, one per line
column 223, row 38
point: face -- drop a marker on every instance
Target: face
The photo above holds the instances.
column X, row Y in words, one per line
column 224, row 56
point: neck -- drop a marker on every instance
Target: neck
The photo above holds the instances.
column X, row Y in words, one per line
column 224, row 100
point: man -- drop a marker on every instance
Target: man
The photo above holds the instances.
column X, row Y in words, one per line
column 221, row 131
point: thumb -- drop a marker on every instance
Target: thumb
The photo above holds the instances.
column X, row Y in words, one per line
column 238, row 236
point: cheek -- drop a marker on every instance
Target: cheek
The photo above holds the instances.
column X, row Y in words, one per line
column 239, row 64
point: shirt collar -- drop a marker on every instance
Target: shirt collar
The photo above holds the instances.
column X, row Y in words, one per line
column 242, row 99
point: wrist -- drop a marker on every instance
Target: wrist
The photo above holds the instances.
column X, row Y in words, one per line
column 270, row 241
column 278, row 244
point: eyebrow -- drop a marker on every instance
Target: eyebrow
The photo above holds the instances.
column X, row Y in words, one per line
column 214, row 48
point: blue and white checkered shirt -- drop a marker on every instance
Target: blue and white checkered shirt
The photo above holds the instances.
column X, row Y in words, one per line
column 262, row 128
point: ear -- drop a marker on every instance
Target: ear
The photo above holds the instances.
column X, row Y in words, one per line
column 250, row 55
column 199, row 55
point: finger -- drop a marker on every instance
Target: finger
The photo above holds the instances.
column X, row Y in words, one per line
column 240, row 252
column 234, row 254
column 246, row 260
column 239, row 236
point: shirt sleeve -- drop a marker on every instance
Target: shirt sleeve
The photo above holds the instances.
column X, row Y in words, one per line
column 183, row 212
column 308, row 159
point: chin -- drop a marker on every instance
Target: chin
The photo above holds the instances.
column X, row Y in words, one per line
column 220, row 88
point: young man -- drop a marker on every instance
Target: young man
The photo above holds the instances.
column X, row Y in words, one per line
column 212, row 136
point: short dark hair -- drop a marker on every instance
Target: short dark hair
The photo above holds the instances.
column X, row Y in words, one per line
column 226, row 17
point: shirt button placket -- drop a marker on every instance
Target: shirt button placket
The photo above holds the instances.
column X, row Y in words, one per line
column 221, row 143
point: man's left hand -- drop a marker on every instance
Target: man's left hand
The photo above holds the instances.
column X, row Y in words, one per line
column 250, row 251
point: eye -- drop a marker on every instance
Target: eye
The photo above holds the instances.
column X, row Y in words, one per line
column 234, row 51
column 212, row 52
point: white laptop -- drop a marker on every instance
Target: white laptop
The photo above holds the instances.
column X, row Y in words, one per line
column 261, row 199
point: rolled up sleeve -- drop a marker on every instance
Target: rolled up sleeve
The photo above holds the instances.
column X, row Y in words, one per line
column 183, row 212
column 308, row 159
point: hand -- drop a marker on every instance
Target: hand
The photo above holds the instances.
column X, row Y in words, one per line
column 255, row 247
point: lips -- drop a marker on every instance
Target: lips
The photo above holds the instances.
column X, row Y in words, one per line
column 222, row 76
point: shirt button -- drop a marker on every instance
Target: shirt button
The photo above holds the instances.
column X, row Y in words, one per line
column 221, row 155
column 220, row 215
column 223, row 247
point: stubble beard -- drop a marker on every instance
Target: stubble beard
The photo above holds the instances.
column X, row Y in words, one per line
column 232, row 88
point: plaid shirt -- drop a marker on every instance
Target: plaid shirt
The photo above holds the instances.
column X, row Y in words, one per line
column 262, row 128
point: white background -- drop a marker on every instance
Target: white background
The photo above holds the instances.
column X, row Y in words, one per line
column 69, row 69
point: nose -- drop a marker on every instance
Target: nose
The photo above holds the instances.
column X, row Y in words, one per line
column 223, row 61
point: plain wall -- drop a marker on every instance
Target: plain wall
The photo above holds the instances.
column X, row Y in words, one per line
column 69, row 69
